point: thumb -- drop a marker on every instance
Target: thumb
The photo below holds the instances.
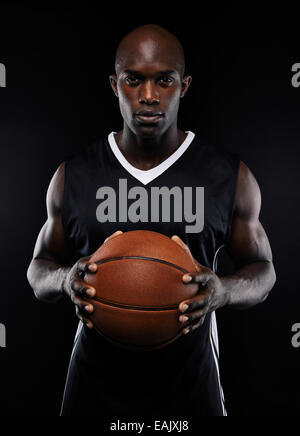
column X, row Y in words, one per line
column 117, row 233
column 178, row 241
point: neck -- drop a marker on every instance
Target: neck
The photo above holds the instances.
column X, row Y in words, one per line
column 147, row 152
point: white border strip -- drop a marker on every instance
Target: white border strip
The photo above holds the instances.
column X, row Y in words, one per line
column 214, row 268
column 79, row 328
column 214, row 340
column 215, row 348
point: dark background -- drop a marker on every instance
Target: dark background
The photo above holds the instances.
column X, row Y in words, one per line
column 58, row 99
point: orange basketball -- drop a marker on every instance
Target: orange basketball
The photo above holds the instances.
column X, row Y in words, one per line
column 138, row 289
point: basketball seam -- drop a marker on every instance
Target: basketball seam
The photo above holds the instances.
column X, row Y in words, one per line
column 165, row 237
column 153, row 259
column 130, row 307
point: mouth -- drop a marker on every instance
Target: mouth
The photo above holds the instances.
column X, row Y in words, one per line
column 149, row 117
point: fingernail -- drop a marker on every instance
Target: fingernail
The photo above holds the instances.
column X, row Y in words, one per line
column 185, row 331
column 184, row 308
column 183, row 318
column 90, row 292
column 187, row 278
column 88, row 308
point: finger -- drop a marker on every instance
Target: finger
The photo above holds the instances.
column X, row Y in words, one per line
column 82, row 304
column 198, row 302
column 202, row 277
column 81, row 288
column 83, row 311
column 117, row 233
column 196, row 325
column 84, row 266
column 192, row 326
column 178, row 241
column 83, row 318
column 189, row 318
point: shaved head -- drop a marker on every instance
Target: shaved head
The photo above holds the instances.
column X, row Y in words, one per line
column 150, row 42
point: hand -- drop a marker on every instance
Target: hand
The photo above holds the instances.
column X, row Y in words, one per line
column 211, row 294
column 78, row 290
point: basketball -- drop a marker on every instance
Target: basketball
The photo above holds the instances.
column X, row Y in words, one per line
column 138, row 289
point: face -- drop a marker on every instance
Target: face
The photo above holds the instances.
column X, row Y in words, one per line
column 149, row 85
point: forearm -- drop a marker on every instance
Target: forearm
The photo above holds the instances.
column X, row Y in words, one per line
column 249, row 285
column 47, row 279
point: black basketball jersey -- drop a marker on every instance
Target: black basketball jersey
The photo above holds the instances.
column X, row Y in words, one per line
column 190, row 194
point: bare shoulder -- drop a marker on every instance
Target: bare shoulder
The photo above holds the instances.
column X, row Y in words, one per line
column 248, row 195
column 56, row 191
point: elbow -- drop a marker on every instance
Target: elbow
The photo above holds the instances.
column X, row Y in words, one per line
column 271, row 282
column 31, row 279
column 29, row 275
column 273, row 276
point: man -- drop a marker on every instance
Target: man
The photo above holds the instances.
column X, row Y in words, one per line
column 181, row 379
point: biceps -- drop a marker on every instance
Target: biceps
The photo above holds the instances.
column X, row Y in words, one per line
column 248, row 242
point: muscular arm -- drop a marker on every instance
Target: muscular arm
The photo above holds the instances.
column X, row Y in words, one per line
column 50, row 274
column 46, row 273
column 249, row 248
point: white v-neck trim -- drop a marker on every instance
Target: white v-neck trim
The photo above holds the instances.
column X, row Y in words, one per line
column 146, row 176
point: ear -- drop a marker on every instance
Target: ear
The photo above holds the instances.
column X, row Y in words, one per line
column 186, row 81
column 113, row 84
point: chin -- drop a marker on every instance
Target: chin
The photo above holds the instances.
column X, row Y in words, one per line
column 148, row 131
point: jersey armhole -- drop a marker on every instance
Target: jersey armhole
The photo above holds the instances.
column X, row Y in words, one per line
column 236, row 166
column 63, row 201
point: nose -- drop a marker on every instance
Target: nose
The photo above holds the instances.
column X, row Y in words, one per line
column 148, row 93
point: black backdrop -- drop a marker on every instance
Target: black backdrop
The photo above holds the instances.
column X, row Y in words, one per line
column 58, row 99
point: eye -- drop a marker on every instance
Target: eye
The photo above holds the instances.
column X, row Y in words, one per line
column 131, row 80
column 165, row 81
